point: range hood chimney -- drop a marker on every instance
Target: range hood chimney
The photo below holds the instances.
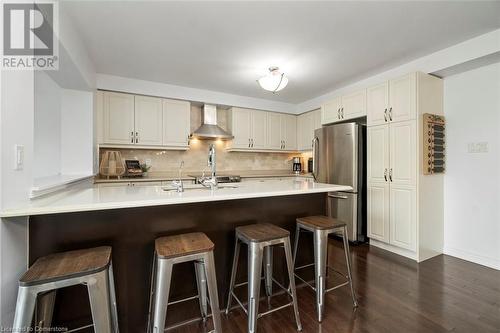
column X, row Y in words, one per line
column 209, row 128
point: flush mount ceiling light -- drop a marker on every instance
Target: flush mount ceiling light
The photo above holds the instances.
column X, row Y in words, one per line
column 274, row 81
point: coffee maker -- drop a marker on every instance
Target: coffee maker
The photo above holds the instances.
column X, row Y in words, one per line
column 297, row 165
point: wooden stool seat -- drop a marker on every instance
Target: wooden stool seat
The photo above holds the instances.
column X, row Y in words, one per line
column 181, row 245
column 65, row 265
column 320, row 222
column 261, row 232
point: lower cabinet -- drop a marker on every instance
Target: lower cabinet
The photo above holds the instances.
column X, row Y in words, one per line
column 392, row 214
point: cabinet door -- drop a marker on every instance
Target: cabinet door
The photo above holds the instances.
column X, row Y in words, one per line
column 176, row 122
column 259, row 129
column 118, row 119
column 403, row 224
column 330, row 111
column 316, row 119
column 289, row 131
column 306, row 131
column 402, row 98
column 274, row 131
column 378, row 153
column 148, row 121
column 377, row 100
column 378, row 211
column 241, row 127
column 403, row 153
column 354, row 105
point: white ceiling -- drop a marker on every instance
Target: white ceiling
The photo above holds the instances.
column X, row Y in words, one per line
column 226, row 46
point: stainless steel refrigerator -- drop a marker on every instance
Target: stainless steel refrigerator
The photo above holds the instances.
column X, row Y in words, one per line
column 339, row 157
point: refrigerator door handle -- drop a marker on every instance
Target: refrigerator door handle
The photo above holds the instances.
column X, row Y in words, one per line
column 315, row 142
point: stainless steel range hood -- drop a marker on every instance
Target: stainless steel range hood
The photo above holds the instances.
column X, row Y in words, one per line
column 209, row 128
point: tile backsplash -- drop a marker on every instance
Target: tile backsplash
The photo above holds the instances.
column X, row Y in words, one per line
column 195, row 159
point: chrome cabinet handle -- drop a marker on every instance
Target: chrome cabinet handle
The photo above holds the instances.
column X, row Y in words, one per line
column 315, row 163
column 284, row 144
column 390, row 174
column 252, row 143
column 248, row 142
column 342, row 112
column 390, row 113
column 385, row 174
column 136, row 137
column 385, row 114
column 132, row 137
column 338, row 113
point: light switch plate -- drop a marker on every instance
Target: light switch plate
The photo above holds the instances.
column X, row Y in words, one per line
column 18, row 157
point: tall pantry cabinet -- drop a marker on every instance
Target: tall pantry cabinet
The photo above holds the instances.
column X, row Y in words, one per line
column 405, row 207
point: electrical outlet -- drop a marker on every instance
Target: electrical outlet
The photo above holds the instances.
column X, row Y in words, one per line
column 18, row 157
column 147, row 161
column 477, row 147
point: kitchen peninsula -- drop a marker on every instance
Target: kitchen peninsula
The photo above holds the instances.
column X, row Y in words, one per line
column 130, row 218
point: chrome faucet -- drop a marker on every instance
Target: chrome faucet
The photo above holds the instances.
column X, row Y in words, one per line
column 211, row 181
column 178, row 184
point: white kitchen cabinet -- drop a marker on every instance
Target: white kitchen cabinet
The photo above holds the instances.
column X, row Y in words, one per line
column 148, row 121
column 405, row 210
column 377, row 101
column 330, row 111
column 402, row 226
column 126, row 120
column 378, row 153
column 241, row 127
column 346, row 107
column 378, row 211
column 176, row 122
column 305, row 131
column 402, row 98
column 259, row 129
column 392, row 101
column 274, row 129
column 403, row 153
column 118, row 118
column 289, row 132
column 353, row 105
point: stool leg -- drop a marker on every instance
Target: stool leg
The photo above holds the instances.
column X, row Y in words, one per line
column 98, row 289
column 201, row 283
column 291, row 276
column 234, row 269
column 112, row 295
column 25, row 307
column 151, row 293
column 320, row 252
column 348, row 263
column 254, row 271
column 163, row 278
column 212, row 290
column 45, row 309
column 296, row 244
column 268, row 269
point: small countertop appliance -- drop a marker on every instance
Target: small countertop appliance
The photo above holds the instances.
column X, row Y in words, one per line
column 297, row 165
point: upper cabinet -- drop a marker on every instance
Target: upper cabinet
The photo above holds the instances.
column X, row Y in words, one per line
column 134, row 120
column 307, row 123
column 148, row 121
column 256, row 130
column 118, row 118
column 392, row 101
column 346, row 107
column 176, row 122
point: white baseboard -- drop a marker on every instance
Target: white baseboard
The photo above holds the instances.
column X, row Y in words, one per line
column 394, row 249
column 473, row 257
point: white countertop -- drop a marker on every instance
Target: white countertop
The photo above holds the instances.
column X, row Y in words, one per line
column 94, row 197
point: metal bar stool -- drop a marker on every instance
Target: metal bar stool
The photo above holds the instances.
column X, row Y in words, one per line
column 171, row 250
column 321, row 227
column 91, row 267
column 260, row 238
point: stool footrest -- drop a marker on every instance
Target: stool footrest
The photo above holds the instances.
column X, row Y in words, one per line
column 185, row 299
column 330, row 268
column 80, row 328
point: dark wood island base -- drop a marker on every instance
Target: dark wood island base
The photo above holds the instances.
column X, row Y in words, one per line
column 131, row 233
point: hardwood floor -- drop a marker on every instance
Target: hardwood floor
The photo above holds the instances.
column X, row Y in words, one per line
column 395, row 294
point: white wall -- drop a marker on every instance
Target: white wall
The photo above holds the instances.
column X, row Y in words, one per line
column 47, row 124
column 472, row 180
